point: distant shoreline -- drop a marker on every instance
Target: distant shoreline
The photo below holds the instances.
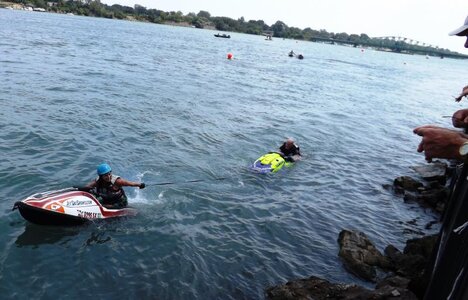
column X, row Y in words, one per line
column 17, row 6
column 203, row 20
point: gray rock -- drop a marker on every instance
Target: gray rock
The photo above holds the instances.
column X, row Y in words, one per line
column 434, row 171
column 359, row 255
column 319, row 289
column 407, row 183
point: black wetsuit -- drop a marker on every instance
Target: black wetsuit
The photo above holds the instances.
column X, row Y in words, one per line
column 110, row 194
column 288, row 153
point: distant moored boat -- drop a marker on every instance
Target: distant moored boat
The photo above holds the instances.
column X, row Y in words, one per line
column 226, row 36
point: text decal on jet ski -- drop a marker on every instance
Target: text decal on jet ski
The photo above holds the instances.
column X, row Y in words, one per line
column 78, row 202
column 88, row 214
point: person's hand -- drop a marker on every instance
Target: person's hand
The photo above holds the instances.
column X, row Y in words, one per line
column 460, row 118
column 464, row 93
column 297, row 157
column 440, row 142
column 142, row 185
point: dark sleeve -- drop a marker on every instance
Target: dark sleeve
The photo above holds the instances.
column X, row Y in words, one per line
column 282, row 148
column 298, row 151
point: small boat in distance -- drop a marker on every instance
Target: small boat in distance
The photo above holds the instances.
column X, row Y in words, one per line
column 226, row 36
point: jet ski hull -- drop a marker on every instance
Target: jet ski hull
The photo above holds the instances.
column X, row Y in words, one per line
column 68, row 207
column 269, row 163
column 46, row 217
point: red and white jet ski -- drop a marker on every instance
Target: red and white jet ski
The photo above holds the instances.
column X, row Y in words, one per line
column 67, row 207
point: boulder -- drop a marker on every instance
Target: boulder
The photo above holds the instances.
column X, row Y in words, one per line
column 406, row 183
column 421, row 246
column 320, row 289
column 436, row 171
column 406, row 282
column 317, row 289
column 360, row 256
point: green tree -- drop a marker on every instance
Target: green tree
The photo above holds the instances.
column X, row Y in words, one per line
column 204, row 14
column 139, row 9
column 279, row 29
column 343, row 36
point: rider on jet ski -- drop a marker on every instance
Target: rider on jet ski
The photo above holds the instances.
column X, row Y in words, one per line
column 290, row 151
column 108, row 187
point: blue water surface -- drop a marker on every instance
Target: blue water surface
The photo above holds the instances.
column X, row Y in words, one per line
column 163, row 104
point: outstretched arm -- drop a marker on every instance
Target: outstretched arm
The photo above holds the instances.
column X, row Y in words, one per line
column 123, row 182
column 440, row 142
column 92, row 184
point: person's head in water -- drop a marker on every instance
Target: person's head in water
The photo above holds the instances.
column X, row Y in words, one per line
column 289, row 143
column 462, row 31
column 290, row 151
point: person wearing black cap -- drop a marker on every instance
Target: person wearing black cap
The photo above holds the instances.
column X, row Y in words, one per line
column 440, row 142
column 446, row 276
column 462, row 31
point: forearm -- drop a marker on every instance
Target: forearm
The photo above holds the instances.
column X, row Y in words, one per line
column 123, row 182
column 91, row 185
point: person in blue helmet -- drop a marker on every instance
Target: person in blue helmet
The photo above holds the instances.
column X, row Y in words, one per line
column 108, row 187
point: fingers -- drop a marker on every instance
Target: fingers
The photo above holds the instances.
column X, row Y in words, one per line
column 465, row 91
column 428, row 133
column 460, row 118
column 428, row 126
column 421, row 147
column 421, row 130
column 457, row 123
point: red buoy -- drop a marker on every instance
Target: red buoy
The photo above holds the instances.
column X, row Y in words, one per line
column 229, row 56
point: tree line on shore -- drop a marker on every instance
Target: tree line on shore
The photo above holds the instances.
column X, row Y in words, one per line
column 203, row 19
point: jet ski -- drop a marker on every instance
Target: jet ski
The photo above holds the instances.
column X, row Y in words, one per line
column 271, row 162
column 71, row 206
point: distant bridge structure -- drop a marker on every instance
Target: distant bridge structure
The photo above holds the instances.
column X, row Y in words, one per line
column 406, row 40
column 400, row 45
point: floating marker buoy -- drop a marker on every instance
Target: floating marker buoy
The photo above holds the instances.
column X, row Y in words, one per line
column 229, row 56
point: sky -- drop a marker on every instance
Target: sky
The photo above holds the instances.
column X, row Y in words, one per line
column 427, row 21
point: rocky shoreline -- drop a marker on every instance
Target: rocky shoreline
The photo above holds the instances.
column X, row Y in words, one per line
column 396, row 274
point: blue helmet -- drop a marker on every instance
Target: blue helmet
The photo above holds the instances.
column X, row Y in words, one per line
column 103, row 169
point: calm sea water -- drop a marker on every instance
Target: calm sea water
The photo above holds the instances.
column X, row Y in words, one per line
column 163, row 104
